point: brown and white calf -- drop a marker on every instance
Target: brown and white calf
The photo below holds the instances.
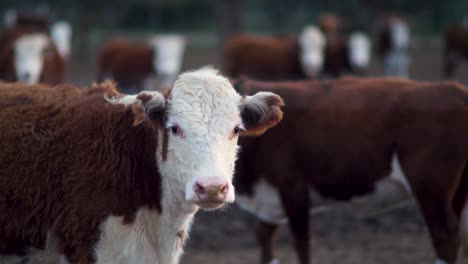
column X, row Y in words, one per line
column 30, row 57
column 350, row 137
column 137, row 66
column 96, row 176
column 275, row 58
column 310, row 55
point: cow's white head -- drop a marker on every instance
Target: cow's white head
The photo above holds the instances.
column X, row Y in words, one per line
column 359, row 47
column 168, row 56
column 312, row 46
column 400, row 33
column 29, row 54
column 200, row 120
column 61, row 34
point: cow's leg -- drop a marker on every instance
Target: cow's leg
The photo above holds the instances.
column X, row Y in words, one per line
column 266, row 234
column 436, row 199
column 296, row 204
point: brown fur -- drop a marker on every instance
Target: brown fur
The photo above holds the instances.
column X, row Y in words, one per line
column 71, row 160
column 269, row 58
column 53, row 71
column 126, row 62
column 336, row 56
column 339, row 137
column 329, row 23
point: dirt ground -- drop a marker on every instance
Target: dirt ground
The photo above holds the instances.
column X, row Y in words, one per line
column 340, row 236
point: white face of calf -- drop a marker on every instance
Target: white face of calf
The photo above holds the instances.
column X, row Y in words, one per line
column 168, row 55
column 203, row 122
column 359, row 46
column 400, row 34
column 29, row 52
column 61, row 33
column 312, row 45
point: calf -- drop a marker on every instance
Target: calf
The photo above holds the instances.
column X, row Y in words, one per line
column 96, row 176
column 350, row 137
column 393, row 41
column 275, row 58
column 455, row 48
column 134, row 66
column 30, row 57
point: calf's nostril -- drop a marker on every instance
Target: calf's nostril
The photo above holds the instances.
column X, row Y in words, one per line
column 199, row 189
column 224, row 189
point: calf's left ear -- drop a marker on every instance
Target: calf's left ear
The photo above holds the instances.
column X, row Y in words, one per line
column 260, row 112
column 154, row 104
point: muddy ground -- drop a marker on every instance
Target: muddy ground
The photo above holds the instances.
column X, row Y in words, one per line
column 338, row 236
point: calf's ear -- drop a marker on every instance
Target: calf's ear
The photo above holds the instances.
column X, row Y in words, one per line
column 260, row 112
column 154, row 104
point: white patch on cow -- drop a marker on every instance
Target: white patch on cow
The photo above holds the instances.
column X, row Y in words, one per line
column 359, row 46
column 312, row 45
column 399, row 32
column 396, row 61
column 265, row 203
column 168, row 55
column 29, row 57
column 150, row 238
column 61, row 35
column 157, row 98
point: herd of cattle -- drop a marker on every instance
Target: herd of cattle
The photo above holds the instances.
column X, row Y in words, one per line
column 115, row 172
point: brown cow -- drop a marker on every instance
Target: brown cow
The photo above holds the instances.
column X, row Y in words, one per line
column 287, row 58
column 348, row 137
column 29, row 56
column 96, row 176
column 134, row 66
column 455, row 48
column 275, row 58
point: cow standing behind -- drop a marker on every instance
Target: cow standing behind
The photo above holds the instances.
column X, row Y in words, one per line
column 345, row 54
column 29, row 57
column 311, row 55
column 95, row 176
column 135, row 66
column 351, row 137
column 393, row 43
column 275, row 58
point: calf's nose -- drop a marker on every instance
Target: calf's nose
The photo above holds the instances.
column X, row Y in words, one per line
column 212, row 190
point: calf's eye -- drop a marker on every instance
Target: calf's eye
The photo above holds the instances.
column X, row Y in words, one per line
column 237, row 130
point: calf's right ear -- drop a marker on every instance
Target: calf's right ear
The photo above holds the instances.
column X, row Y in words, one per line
column 154, row 104
column 260, row 112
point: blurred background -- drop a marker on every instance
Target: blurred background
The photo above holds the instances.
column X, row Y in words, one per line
column 339, row 236
column 206, row 23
